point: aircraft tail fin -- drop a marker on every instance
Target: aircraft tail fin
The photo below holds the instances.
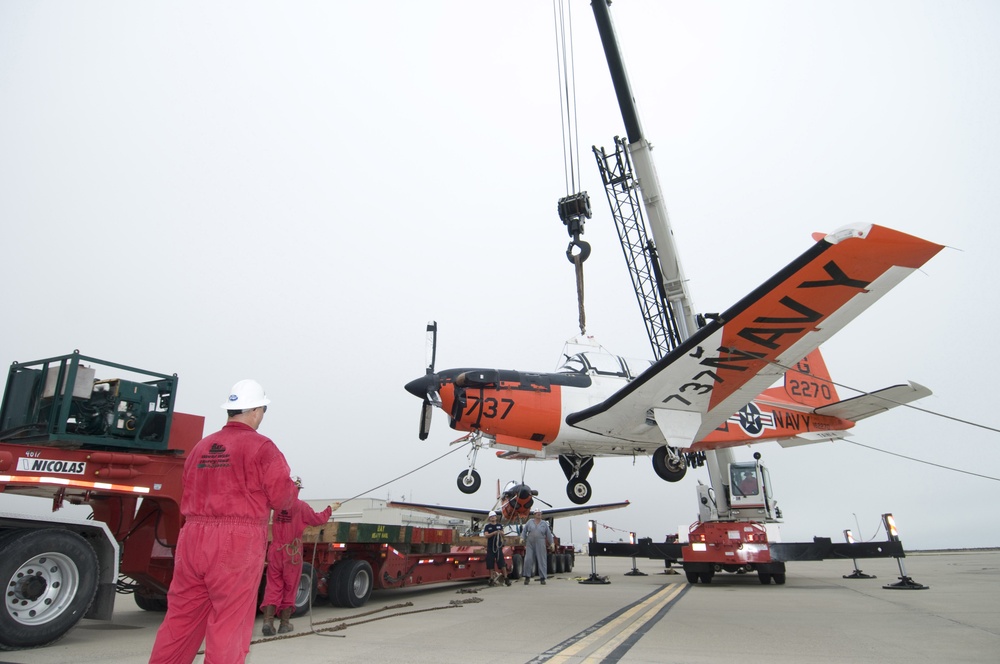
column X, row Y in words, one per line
column 808, row 383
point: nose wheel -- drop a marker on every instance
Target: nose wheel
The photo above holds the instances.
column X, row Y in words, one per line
column 469, row 481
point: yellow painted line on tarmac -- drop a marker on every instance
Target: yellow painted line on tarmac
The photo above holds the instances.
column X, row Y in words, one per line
column 608, row 637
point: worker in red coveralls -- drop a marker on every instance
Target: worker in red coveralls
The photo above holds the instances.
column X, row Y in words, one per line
column 232, row 480
column 284, row 560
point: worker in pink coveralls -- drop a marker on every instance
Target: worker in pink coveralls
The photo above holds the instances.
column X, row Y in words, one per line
column 284, row 560
column 232, row 480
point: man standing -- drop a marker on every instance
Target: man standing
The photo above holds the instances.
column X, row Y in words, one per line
column 494, row 550
column 284, row 560
column 537, row 537
column 232, row 480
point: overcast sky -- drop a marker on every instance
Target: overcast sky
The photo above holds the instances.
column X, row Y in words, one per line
column 289, row 191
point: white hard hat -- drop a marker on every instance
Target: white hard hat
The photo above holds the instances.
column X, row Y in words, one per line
column 245, row 395
column 492, row 513
column 297, row 480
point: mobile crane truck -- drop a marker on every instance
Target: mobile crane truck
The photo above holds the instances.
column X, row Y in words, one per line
column 116, row 445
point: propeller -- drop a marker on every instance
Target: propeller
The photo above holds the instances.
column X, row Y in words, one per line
column 429, row 383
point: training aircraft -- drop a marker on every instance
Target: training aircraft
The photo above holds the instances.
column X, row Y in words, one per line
column 712, row 391
column 513, row 507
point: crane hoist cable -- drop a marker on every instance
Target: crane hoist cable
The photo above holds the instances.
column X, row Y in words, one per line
column 573, row 208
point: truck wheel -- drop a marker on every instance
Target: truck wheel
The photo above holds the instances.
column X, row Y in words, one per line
column 692, row 577
column 765, row 578
column 706, row 577
column 305, row 595
column 516, row 566
column 469, row 481
column 148, row 600
column 779, row 579
column 353, row 585
column 50, row 579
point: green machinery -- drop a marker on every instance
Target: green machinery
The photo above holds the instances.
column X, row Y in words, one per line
column 61, row 402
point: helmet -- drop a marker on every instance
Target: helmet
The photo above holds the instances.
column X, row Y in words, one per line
column 537, row 510
column 297, row 480
column 492, row 513
column 245, row 395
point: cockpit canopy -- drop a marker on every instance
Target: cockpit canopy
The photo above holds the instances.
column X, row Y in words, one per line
column 603, row 364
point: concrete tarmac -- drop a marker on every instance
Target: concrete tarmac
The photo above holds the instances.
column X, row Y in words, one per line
column 817, row 616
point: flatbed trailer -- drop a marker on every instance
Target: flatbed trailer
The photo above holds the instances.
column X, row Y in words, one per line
column 344, row 561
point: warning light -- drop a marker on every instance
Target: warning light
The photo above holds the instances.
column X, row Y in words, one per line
column 592, row 531
column 849, row 537
column 890, row 527
column 631, row 538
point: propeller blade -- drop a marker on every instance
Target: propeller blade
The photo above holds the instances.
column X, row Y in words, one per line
column 432, row 331
column 430, row 392
column 425, row 419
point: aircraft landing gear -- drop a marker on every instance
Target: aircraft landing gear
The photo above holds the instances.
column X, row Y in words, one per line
column 576, row 469
column 669, row 464
column 469, row 480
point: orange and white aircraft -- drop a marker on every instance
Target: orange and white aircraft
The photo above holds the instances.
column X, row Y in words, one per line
column 514, row 506
column 713, row 391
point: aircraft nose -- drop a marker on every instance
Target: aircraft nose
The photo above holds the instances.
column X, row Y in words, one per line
column 418, row 387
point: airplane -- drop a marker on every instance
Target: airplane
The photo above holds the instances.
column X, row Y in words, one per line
column 514, row 506
column 711, row 392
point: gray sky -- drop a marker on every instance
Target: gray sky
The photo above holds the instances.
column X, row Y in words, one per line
column 289, row 191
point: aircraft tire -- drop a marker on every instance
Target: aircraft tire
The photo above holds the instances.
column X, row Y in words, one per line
column 469, row 481
column 667, row 469
column 55, row 572
column 579, row 491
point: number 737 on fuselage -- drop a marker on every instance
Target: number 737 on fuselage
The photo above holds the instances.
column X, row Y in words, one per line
column 717, row 389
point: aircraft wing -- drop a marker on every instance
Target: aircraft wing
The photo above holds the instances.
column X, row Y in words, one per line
column 464, row 513
column 563, row 512
column 480, row 515
column 691, row 391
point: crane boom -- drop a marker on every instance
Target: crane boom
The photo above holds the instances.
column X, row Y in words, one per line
column 673, row 282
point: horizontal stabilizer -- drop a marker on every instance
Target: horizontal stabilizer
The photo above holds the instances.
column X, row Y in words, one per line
column 811, row 437
column 873, row 403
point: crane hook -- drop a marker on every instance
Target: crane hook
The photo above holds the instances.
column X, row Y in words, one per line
column 584, row 250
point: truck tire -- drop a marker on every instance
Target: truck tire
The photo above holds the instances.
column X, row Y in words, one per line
column 50, row 579
column 516, row 566
column 150, row 601
column 305, row 595
column 352, row 585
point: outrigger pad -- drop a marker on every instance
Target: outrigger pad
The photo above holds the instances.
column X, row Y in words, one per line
column 906, row 583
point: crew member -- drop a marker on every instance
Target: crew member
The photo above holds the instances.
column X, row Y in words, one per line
column 537, row 536
column 232, row 480
column 284, row 560
column 494, row 550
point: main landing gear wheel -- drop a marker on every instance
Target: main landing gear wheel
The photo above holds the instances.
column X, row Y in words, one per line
column 469, row 481
column 579, row 491
column 670, row 467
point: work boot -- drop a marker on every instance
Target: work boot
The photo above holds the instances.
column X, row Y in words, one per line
column 268, row 629
column 506, row 581
column 285, row 627
column 543, row 582
column 526, row 579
